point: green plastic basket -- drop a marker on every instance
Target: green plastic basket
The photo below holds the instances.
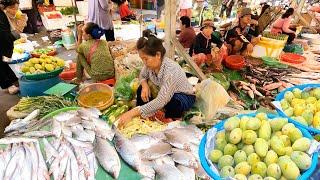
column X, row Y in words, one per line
column 42, row 76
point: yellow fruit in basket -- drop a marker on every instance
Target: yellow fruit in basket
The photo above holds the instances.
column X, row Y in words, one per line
column 38, row 66
column 298, row 110
column 25, row 69
column 28, row 63
column 43, row 56
column 49, row 67
column 49, row 61
column 57, row 68
column 32, row 70
column 296, row 101
column 42, row 60
column 316, row 121
column 60, row 63
column 311, row 100
column 34, row 60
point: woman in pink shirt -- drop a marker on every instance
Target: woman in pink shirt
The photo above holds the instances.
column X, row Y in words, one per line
column 282, row 25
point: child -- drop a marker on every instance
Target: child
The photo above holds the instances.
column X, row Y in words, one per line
column 125, row 13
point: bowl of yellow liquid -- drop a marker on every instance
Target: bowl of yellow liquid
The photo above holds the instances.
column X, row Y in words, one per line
column 96, row 95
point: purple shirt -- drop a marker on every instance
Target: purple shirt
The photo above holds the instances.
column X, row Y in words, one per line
column 99, row 13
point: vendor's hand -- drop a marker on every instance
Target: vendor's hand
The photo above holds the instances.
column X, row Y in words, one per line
column 123, row 120
column 249, row 49
column 145, row 92
column 79, row 29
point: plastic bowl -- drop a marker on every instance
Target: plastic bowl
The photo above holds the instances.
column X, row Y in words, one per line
column 293, row 58
column 280, row 96
column 304, row 176
column 235, row 62
column 102, row 102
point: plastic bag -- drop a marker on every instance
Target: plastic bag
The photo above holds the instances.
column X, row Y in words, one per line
column 123, row 89
column 211, row 96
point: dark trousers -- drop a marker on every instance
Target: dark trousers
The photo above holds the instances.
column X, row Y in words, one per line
column 31, row 27
column 7, row 76
column 109, row 33
column 129, row 18
column 227, row 9
column 291, row 35
column 178, row 104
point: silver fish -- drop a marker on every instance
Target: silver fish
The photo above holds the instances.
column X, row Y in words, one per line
column 50, row 150
column 38, row 134
column 201, row 173
column 84, row 135
column 14, row 166
column 168, row 172
column 82, row 161
column 56, row 128
column 147, row 171
column 27, row 165
column 156, row 151
column 102, row 129
column 15, row 126
column 66, row 131
column 177, row 141
column 89, row 112
column 43, row 173
column 65, row 116
column 73, row 121
column 93, row 166
column 82, row 144
column 188, row 173
column 160, row 136
column 164, row 160
column 142, row 142
column 88, row 124
column 73, row 163
column 35, row 159
column 107, row 157
column 14, row 140
column 185, row 133
column 128, row 152
column 68, row 174
column 184, row 158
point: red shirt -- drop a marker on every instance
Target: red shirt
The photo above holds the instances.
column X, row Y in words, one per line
column 124, row 11
column 186, row 37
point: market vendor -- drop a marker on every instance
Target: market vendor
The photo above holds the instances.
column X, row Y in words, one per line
column 187, row 34
column 93, row 54
column 125, row 13
column 176, row 93
column 204, row 42
column 283, row 25
column 7, row 37
column 241, row 38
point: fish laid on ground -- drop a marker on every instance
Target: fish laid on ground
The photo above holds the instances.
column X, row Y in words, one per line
column 43, row 173
column 15, row 140
column 65, row 116
column 168, row 172
column 180, row 142
column 82, row 144
column 188, row 173
column 107, row 157
column 142, row 142
column 49, row 150
column 164, row 160
column 201, row 173
column 87, row 113
column 184, row 158
column 14, row 165
column 82, row 161
column 56, row 128
column 187, row 133
column 156, row 151
column 160, row 136
column 93, row 164
column 27, row 165
column 102, row 129
column 38, row 134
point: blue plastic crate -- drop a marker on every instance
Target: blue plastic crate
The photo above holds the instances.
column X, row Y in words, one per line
column 304, row 176
column 280, row 96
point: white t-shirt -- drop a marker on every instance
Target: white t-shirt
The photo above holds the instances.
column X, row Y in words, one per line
column 185, row 4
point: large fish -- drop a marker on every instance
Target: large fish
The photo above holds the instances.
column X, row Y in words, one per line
column 168, row 172
column 184, row 158
column 188, row 173
column 164, row 160
column 180, row 142
column 142, row 142
column 156, row 151
column 188, row 133
column 107, row 157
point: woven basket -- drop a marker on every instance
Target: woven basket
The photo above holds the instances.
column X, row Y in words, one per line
column 42, row 76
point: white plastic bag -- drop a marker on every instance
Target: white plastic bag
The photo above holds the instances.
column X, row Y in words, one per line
column 25, row 4
column 211, row 96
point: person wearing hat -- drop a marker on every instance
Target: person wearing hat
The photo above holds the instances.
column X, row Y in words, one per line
column 93, row 54
column 241, row 38
column 204, row 42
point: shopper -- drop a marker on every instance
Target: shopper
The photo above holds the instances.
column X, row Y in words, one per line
column 7, row 76
column 100, row 14
column 32, row 14
column 185, row 8
column 176, row 93
column 201, row 49
column 160, row 8
column 243, row 36
column 17, row 19
column 226, row 6
column 125, row 13
column 93, row 54
column 187, row 34
column 283, row 25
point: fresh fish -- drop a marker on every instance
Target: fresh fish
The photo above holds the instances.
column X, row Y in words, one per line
column 27, row 165
column 73, row 163
column 168, row 172
column 164, row 160
column 35, row 159
column 89, row 112
column 84, row 135
column 15, row 126
column 50, row 150
column 184, row 158
column 82, row 161
column 128, row 152
column 68, row 174
column 146, row 171
column 14, row 140
column 64, row 117
column 142, row 142
column 73, row 121
column 43, row 173
column 272, row 86
column 82, row 144
column 180, row 142
column 88, row 125
column 66, row 131
column 188, row 173
column 62, row 166
column 14, row 166
column 156, row 151
column 102, row 129
column 56, row 128
column 188, row 133
column 32, row 115
column 38, row 134
column 201, row 173
column 93, row 166
column 107, row 157
column 3, row 162
column 160, row 136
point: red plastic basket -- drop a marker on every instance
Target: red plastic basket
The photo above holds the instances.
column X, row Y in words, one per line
column 293, row 58
column 235, row 62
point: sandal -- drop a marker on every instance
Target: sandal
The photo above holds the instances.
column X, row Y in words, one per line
column 13, row 90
